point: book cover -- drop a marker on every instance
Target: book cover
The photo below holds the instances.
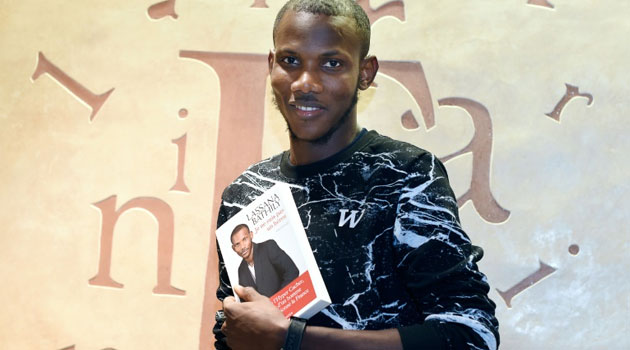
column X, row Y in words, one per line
column 265, row 246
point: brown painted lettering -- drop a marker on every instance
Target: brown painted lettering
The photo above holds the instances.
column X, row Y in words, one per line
column 259, row 4
column 543, row 3
column 180, row 185
column 481, row 148
column 571, row 93
column 242, row 80
column 408, row 121
column 543, row 271
column 163, row 213
column 395, row 8
column 71, row 347
column 95, row 102
column 162, row 9
column 412, row 77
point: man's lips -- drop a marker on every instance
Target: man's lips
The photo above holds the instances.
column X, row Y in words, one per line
column 307, row 109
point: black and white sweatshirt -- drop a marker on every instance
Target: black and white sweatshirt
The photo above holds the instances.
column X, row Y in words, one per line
column 383, row 224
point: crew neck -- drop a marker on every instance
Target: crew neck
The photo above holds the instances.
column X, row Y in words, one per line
column 296, row 171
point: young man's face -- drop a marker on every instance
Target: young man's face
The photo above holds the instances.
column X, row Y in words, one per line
column 242, row 244
column 315, row 72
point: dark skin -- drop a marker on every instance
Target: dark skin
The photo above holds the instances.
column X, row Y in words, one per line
column 242, row 245
column 315, row 71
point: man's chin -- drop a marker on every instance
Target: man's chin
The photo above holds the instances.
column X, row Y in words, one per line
column 303, row 136
column 317, row 137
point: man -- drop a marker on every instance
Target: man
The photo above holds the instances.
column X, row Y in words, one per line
column 265, row 266
column 379, row 214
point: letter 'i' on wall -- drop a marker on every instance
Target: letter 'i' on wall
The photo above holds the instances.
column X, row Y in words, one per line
column 180, row 185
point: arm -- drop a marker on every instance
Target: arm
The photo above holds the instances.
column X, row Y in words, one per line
column 330, row 338
column 256, row 323
column 435, row 259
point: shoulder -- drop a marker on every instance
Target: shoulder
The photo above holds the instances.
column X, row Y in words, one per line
column 386, row 143
column 268, row 244
column 401, row 155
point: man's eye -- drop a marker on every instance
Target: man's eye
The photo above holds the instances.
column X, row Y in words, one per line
column 289, row 60
column 332, row 64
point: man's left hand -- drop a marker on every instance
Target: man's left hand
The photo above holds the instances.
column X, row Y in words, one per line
column 254, row 323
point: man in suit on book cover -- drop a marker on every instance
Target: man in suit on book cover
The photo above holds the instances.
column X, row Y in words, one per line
column 265, row 266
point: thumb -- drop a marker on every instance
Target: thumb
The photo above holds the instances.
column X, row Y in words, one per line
column 247, row 293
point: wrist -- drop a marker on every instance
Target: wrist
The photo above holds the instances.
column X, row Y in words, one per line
column 282, row 330
column 295, row 332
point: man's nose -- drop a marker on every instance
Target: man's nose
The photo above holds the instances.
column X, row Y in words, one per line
column 307, row 82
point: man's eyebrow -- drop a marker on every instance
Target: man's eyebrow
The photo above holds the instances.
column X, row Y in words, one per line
column 331, row 53
column 286, row 51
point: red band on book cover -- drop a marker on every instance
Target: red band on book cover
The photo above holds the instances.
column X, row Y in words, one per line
column 295, row 295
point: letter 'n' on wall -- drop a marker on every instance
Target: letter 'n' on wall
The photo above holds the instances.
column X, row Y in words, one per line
column 163, row 213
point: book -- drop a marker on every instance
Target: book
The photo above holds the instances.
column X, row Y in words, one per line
column 264, row 246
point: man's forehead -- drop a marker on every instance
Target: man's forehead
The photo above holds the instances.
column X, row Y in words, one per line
column 318, row 28
column 242, row 231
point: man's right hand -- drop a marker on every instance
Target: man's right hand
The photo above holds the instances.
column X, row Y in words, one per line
column 255, row 323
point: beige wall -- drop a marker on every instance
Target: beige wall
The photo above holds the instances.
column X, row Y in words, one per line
column 107, row 212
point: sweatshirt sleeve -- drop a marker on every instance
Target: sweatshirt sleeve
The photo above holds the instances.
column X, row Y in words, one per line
column 438, row 264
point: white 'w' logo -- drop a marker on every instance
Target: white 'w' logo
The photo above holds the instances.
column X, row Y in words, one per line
column 343, row 218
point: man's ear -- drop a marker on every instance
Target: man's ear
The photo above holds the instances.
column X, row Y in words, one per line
column 367, row 72
column 270, row 60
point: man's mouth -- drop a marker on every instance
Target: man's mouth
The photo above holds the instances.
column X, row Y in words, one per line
column 306, row 108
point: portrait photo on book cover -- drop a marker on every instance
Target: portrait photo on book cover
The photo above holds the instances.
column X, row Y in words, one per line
column 264, row 266
column 264, row 246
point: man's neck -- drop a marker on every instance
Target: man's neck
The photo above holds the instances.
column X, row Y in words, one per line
column 304, row 152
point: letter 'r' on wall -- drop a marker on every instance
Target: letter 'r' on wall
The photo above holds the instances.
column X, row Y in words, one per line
column 163, row 213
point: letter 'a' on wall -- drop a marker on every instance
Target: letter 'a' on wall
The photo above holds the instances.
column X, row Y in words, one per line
column 122, row 122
